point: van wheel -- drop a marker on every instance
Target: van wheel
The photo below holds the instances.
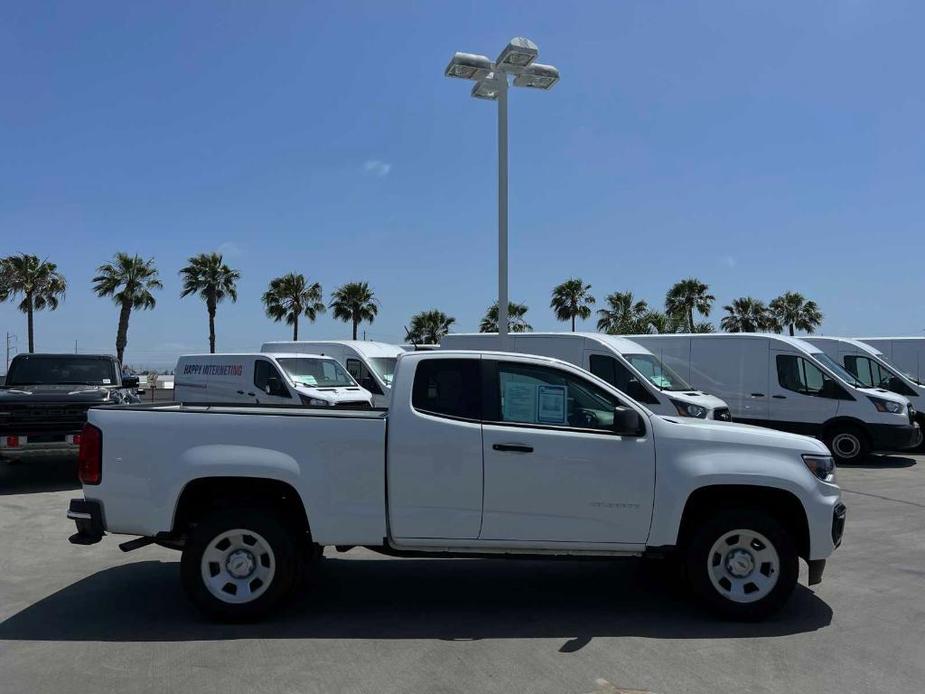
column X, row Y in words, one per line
column 743, row 564
column 848, row 444
column 238, row 564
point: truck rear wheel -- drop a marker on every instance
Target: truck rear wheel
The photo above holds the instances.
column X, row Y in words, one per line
column 238, row 564
column 743, row 564
column 848, row 444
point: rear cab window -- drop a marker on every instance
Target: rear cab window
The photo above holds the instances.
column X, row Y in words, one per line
column 448, row 388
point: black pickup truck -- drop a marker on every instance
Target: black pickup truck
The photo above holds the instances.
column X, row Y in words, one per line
column 44, row 401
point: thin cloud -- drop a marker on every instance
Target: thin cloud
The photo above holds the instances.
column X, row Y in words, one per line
column 376, row 167
column 230, row 249
column 729, row 261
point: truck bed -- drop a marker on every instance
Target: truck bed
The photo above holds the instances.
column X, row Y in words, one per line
column 334, row 459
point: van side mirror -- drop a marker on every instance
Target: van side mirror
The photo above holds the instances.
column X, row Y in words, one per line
column 275, row 387
column 130, row 382
column 627, row 422
column 637, row 391
column 831, row 389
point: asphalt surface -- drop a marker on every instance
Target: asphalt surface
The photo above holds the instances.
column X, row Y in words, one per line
column 92, row 619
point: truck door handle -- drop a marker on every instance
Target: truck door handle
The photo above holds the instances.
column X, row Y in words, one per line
column 240, row 392
column 779, row 397
column 512, row 448
column 757, row 395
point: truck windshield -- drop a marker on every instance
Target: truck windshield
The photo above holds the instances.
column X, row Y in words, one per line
column 660, row 375
column 384, row 368
column 38, row 370
column 314, row 373
column 838, row 369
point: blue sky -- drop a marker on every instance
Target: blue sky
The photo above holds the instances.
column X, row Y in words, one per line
column 762, row 147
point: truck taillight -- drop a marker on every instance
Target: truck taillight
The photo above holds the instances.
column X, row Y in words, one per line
column 12, row 441
column 90, row 457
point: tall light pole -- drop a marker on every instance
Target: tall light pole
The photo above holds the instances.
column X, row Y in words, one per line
column 491, row 83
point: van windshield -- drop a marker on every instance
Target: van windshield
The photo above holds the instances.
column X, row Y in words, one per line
column 838, row 369
column 660, row 375
column 315, row 373
column 893, row 365
column 384, row 368
column 37, row 370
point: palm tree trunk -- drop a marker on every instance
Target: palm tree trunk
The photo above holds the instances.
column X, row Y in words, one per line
column 355, row 324
column 210, row 304
column 295, row 329
column 791, row 329
column 122, row 332
column 29, row 321
column 690, row 319
column 573, row 322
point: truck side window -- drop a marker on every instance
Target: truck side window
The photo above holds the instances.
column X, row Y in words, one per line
column 263, row 372
column 546, row 396
column 448, row 387
column 358, row 370
column 620, row 377
column 801, row 376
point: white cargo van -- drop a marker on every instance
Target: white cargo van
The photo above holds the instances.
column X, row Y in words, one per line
column 293, row 379
column 905, row 353
column 628, row 366
column 868, row 365
column 372, row 364
column 786, row 383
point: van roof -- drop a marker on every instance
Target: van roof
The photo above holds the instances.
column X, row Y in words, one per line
column 367, row 348
column 618, row 343
column 795, row 342
column 287, row 355
column 907, row 338
column 857, row 344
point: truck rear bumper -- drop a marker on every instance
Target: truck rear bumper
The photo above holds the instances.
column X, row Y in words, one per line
column 15, row 447
column 88, row 516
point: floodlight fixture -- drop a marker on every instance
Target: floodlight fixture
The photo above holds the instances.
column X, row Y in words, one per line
column 468, row 66
column 537, row 76
column 518, row 53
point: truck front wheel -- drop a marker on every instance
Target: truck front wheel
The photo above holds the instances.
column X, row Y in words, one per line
column 742, row 563
column 238, row 564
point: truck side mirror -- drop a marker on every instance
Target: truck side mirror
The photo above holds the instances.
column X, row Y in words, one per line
column 627, row 422
column 130, row 382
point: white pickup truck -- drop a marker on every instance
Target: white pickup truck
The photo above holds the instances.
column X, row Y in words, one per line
column 479, row 454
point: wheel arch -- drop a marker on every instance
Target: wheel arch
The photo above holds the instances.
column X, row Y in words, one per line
column 204, row 494
column 782, row 504
column 834, row 423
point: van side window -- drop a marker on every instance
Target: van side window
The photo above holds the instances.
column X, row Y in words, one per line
column 545, row 396
column 263, row 372
column 621, row 378
column 802, row 376
column 358, row 370
column 873, row 375
column 448, row 387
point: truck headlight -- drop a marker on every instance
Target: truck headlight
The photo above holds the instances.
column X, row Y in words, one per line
column 313, row 402
column 887, row 405
column 688, row 409
column 822, row 466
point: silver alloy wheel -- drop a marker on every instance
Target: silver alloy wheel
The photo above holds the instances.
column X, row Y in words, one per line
column 846, row 445
column 238, row 566
column 743, row 566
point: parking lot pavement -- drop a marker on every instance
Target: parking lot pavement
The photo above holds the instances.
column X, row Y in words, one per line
column 91, row 619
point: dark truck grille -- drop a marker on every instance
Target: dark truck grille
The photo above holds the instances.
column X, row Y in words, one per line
column 722, row 414
column 39, row 419
column 354, row 405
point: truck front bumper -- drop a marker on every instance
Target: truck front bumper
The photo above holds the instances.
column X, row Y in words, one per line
column 20, row 447
column 890, row 437
column 88, row 515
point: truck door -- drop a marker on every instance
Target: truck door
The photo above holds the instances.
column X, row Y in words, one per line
column 435, row 454
column 554, row 471
column 802, row 396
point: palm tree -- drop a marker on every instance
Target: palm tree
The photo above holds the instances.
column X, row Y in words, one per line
column 516, row 320
column 625, row 316
column 291, row 296
column 355, row 302
column 208, row 276
column 37, row 281
column 791, row 309
column 428, row 327
column 572, row 299
column 746, row 315
column 660, row 323
column 129, row 280
column 687, row 296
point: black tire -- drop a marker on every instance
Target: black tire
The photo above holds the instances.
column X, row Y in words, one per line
column 282, row 557
column 849, row 444
column 701, row 565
